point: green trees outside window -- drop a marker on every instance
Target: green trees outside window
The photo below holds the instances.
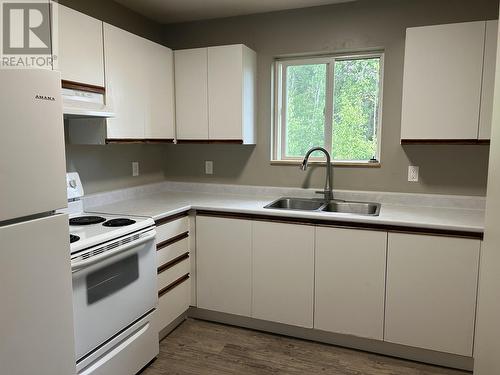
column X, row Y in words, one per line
column 333, row 103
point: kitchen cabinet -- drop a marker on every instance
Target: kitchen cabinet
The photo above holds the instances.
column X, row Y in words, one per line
column 80, row 54
column 224, row 261
column 222, row 108
column 160, row 100
column 283, row 273
column 191, row 90
column 139, row 87
column 442, row 88
column 174, row 267
column 490, row 58
column 431, row 292
column 350, row 269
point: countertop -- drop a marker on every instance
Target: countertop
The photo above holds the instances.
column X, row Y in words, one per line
column 166, row 203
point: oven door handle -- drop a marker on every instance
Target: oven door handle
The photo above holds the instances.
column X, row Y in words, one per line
column 77, row 266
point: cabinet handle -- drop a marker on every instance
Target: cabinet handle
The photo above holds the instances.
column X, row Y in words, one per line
column 171, row 286
column 172, row 240
column 173, row 262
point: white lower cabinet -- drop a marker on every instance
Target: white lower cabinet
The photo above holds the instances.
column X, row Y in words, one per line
column 283, row 273
column 223, row 264
column 431, row 292
column 350, row 281
column 411, row 289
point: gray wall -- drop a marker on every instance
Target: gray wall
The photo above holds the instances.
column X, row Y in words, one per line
column 364, row 24
column 350, row 26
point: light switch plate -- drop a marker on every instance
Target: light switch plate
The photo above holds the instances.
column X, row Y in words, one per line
column 209, row 167
column 413, row 173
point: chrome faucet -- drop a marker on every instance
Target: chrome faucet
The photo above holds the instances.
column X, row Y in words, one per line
column 328, row 192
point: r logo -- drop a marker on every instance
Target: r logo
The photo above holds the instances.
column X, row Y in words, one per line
column 26, row 28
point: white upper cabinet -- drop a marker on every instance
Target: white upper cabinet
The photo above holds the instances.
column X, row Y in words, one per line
column 125, row 83
column 80, row 55
column 490, row 58
column 215, row 94
column 283, row 273
column 139, row 87
column 350, row 281
column 231, row 88
column 443, row 72
column 431, row 292
column 160, row 101
column 191, row 93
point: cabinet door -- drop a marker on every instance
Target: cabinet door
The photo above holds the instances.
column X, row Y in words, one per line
column 125, row 83
column 431, row 292
column 159, row 70
column 490, row 58
column 80, row 56
column 223, row 264
column 350, row 282
column 283, row 273
column 442, row 81
column 191, row 93
column 225, row 92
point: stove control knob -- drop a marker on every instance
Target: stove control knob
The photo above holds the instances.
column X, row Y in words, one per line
column 72, row 183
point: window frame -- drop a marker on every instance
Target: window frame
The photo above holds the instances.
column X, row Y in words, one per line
column 278, row 144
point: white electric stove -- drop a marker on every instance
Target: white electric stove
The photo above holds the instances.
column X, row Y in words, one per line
column 113, row 263
column 90, row 229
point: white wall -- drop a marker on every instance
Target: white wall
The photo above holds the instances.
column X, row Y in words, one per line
column 487, row 346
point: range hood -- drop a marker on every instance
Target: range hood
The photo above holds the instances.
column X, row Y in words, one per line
column 85, row 102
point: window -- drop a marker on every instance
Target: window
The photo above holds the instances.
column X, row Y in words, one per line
column 333, row 102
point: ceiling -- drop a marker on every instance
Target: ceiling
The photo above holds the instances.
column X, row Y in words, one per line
column 170, row 11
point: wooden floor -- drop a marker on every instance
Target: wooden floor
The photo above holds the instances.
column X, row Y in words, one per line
column 198, row 347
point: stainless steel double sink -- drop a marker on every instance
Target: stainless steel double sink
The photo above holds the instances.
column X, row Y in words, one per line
column 320, row 205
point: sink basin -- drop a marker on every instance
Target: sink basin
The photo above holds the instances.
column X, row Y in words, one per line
column 319, row 205
column 358, row 208
column 301, row 204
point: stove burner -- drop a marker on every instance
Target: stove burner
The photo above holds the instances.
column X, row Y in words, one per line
column 86, row 220
column 120, row 222
column 73, row 238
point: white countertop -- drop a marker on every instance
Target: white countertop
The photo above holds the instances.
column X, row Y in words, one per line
column 166, row 203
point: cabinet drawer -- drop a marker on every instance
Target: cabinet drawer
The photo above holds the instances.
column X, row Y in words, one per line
column 169, row 229
column 173, row 303
column 172, row 272
column 170, row 252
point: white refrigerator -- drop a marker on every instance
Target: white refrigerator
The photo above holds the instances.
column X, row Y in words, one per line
column 36, row 313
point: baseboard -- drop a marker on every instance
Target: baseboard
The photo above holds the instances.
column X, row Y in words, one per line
column 352, row 342
column 175, row 323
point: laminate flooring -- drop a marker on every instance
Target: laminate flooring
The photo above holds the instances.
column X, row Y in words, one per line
column 203, row 348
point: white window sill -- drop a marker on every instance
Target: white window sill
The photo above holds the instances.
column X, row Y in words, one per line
column 348, row 164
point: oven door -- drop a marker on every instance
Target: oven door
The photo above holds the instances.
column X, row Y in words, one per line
column 114, row 284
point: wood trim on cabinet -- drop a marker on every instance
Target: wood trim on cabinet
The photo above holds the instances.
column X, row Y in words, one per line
column 83, row 87
column 210, row 141
column 172, row 240
column 173, row 262
column 445, row 141
column 170, row 218
column 171, row 286
column 344, row 224
column 139, row 141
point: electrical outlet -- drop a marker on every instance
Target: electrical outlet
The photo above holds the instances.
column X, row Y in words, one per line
column 135, row 168
column 413, row 173
column 209, row 167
